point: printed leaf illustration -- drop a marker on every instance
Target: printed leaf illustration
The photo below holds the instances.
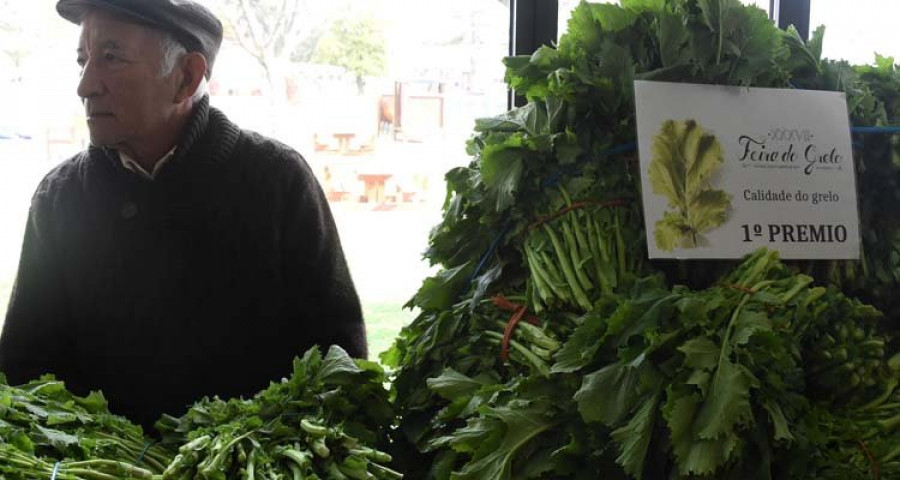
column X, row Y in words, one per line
column 684, row 158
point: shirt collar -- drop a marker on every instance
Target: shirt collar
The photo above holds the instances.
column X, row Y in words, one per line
column 131, row 164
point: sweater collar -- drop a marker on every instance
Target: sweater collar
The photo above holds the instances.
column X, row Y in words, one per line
column 209, row 137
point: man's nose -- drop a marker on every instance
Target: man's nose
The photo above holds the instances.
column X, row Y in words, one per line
column 90, row 85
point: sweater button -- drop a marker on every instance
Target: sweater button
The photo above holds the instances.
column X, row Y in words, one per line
column 128, row 210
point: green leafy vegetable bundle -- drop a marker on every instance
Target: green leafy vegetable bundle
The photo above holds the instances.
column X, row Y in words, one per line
column 723, row 382
column 326, row 421
column 330, row 419
column 42, row 424
column 679, row 369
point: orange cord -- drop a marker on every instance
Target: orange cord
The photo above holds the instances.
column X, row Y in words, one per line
column 519, row 314
column 876, row 470
column 575, row 206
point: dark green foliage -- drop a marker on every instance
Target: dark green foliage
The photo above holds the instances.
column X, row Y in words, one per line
column 701, row 369
column 328, row 420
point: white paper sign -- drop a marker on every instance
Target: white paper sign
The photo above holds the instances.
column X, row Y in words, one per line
column 728, row 170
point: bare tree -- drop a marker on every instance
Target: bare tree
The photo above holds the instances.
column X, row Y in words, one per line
column 272, row 31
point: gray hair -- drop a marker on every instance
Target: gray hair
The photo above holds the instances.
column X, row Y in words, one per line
column 172, row 51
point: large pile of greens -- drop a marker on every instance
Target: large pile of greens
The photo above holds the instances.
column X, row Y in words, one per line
column 677, row 369
column 329, row 419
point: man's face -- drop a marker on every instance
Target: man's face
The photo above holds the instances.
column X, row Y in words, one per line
column 126, row 99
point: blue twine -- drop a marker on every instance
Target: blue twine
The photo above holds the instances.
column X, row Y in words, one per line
column 140, row 457
column 55, row 470
column 885, row 130
column 494, row 245
column 627, row 147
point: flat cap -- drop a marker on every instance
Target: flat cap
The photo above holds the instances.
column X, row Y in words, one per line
column 192, row 24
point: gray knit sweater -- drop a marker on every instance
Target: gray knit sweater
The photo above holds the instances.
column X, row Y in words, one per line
column 207, row 280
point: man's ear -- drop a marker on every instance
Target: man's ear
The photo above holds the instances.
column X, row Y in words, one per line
column 193, row 68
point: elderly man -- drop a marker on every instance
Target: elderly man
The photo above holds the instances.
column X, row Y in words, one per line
column 179, row 256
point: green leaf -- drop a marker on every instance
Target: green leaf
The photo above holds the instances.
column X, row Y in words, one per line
column 700, row 353
column 815, row 42
column 567, row 149
column 439, row 292
column 655, row 6
column 95, row 402
column 608, row 394
column 21, row 441
column 556, row 115
column 544, row 57
column 582, row 345
column 584, row 32
column 779, row 422
column 728, row 402
column 501, row 170
column 694, row 455
column 748, row 324
column 715, row 13
column 452, row 384
column 614, row 18
column 652, row 307
column 884, row 63
column 61, row 418
column 59, row 440
column 514, row 120
column 634, row 437
column 337, row 367
column 684, row 159
column 537, row 119
column 520, row 422
column 673, row 40
column 700, row 379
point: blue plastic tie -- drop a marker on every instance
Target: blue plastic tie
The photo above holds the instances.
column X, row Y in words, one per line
column 494, row 245
column 885, row 130
column 627, row 147
column 140, row 457
column 55, row 470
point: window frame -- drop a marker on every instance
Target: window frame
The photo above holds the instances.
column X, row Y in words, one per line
column 532, row 24
column 791, row 12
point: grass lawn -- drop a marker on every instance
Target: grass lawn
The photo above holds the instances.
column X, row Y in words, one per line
column 383, row 322
column 383, row 250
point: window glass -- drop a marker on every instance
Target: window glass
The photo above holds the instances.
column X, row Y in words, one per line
column 856, row 31
column 379, row 130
